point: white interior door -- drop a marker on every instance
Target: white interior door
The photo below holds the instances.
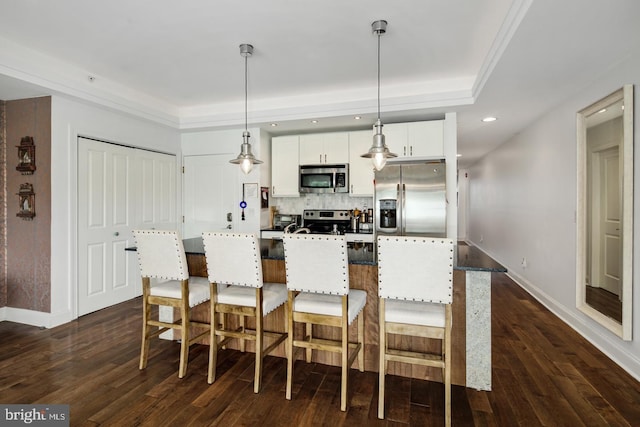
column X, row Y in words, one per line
column 611, row 241
column 104, row 222
column 119, row 189
column 209, row 187
column 607, row 242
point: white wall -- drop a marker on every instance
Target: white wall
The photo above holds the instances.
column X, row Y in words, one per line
column 70, row 118
column 522, row 204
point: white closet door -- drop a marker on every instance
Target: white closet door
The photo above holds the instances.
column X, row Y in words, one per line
column 119, row 189
column 157, row 195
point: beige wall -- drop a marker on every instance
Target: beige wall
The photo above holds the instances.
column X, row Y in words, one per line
column 27, row 249
column 3, row 206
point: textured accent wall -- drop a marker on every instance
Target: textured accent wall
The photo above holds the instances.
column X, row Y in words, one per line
column 3, row 205
column 28, row 242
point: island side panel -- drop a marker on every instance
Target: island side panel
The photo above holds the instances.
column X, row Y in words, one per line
column 478, row 319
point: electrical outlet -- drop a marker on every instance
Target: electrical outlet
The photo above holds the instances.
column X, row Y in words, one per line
column 481, row 238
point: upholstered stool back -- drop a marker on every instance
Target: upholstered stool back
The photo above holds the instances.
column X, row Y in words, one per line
column 415, row 269
column 317, row 263
column 233, row 259
column 161, row 254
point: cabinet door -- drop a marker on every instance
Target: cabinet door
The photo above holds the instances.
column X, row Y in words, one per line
column 312, row 149
column 336, row 147
column 425, row 139
column 395, row 136
column 284, row 166
column 360, row 169
column 324, row 148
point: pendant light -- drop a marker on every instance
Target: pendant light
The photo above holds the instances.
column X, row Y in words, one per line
column 245, row 159
column 379, row 152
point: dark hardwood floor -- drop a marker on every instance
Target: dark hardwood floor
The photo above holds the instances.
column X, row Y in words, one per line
column 605, row 302
column 544, row 373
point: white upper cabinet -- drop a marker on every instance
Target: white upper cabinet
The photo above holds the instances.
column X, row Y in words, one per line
column 284, row 166
column 324, row 148
column 360, row 169
column 417, row 139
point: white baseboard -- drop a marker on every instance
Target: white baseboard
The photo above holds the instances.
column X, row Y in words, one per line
column 34, row 318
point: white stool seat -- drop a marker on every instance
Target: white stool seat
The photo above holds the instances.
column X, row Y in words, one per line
column 199, row 291
column 273, row 296
column 330, row 305
column 415, row 313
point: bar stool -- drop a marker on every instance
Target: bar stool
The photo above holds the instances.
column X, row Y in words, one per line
column 234, row 266
column 161, row 257
column 415, row 286
column 317, row 271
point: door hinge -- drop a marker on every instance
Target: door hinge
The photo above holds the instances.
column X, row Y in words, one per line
column 183, row 169
column 183, row 219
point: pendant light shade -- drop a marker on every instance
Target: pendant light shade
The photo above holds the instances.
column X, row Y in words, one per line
column 379, row 152
column 245, row 159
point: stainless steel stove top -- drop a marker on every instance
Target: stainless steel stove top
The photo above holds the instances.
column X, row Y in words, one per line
column 322, row 221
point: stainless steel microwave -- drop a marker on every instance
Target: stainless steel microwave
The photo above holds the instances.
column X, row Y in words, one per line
column 324, row 178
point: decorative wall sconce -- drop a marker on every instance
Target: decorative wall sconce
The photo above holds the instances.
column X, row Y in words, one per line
column 26, row 156
column 27, row 198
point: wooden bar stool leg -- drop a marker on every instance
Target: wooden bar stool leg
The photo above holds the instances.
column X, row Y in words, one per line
column 382, row 368
column 223, row 325
column 447, row 365
column 184, row 345
column 290, row 354
column 361, row 341
column 259, row 355
column 146, row 310
column 309, row 332
column 213, row 340
column 345, row 356
column 242, row 327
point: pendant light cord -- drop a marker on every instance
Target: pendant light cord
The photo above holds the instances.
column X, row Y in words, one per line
column 245, row 92
column 378, row 75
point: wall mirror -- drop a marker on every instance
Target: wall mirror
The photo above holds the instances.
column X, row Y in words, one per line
column 604, row 213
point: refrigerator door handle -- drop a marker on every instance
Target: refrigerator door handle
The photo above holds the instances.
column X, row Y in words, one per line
column 398, row 218
column 403, row 223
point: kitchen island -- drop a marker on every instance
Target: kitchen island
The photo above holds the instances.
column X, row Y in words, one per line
column 471, row 335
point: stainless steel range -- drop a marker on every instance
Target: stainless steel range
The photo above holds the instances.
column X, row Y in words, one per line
column 327, row 221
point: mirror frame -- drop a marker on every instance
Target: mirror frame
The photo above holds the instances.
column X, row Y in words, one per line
column 624, row 329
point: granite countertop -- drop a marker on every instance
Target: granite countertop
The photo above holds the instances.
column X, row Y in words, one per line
column 468, row 258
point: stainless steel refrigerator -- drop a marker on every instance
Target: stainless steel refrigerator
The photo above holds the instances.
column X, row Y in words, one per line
column 410, row 199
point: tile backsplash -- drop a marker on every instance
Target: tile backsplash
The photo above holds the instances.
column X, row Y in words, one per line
column 295, row 205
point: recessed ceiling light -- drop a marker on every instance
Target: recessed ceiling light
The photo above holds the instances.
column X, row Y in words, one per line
column 357, row 118
column 274, row 125
column 314, row 121
column 489, row 119
column 458, row 155
column 602, row 111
